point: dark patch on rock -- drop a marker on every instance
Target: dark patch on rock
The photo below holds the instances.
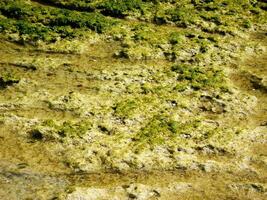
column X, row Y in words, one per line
column 7, row 82
column 132, row 196
column 257, row 83
column 27, row 66
column 36, row 135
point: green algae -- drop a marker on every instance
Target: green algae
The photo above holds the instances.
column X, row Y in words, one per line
column 161, row 129
column 49, row 23
column 37, row 23
column 119, row 8
column 8, row 79
column 126, row 108
column 52, row 130
column 200, row 78
column 69, row 129
column 95, row 112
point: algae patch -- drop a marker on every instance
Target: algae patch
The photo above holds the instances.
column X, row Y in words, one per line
column 8, row 80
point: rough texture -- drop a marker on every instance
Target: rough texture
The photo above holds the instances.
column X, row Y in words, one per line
column 106, row 98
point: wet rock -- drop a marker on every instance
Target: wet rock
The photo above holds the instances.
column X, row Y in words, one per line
column 252, row 187
column 141, row 192
column 258, row 82
column 74, row 102
column 36, row 134
column 210, row 149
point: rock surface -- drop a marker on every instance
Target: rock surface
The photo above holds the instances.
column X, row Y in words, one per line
column 133, row 100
